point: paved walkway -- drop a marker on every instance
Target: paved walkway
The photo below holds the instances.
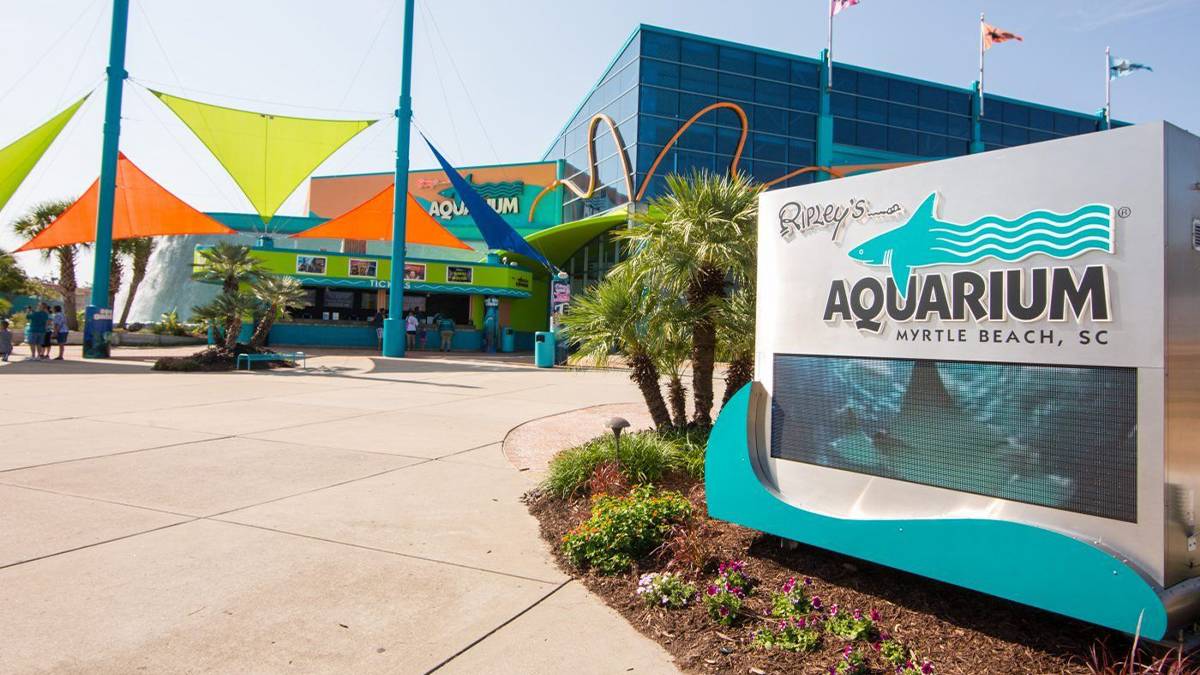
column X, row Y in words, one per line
column 357, row 517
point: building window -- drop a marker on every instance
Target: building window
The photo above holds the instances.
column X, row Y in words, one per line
column 805, row 74
column 699, row 80
column 660, row 46
column 660, row 73
column 771, row 67
column 737, row 60
column 699, row 53
column 659, row 101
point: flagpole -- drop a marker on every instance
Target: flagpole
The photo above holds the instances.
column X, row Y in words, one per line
column 393, row 325
column 1107, row 88
column 981, row 64
column 829, row 49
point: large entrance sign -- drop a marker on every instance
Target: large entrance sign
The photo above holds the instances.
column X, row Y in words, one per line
column 985, row 370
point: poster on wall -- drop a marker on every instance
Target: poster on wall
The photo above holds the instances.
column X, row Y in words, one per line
column 414, row 272
column 363, row 268
column 458, row 275
column 310, row 264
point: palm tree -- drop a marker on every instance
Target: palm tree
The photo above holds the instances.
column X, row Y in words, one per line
column 37, row 219
column 229, row 264
column 735, row 335
column 278, row 294
column 225, row 313
column 610, row 318
column 139, row 251
column 694, row 240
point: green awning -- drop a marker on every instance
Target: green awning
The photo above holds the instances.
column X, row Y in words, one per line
column 560, row 242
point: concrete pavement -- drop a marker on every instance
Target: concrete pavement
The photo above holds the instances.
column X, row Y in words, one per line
column 355, row 517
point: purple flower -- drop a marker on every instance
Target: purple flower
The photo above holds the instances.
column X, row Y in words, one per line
column 782, row 625
column 807, row 581
column 847, row 650
column 712, row 590
column 926, row 667
column 875, row 615
column 724, row 611
column 789, row 585
column 816, row 602
column 833, row 609
column 858, row 615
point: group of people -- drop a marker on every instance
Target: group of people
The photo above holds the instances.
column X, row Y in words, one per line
column 417, row 327
column 43, row 327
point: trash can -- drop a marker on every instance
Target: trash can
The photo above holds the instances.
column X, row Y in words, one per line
column 543, row 349
column 508, row 340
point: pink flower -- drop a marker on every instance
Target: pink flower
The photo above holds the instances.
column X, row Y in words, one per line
column 801, row 622
column 712, row 590
column 858, row 615
column 833, row 610
column 724, row 611
column 847, row 650
column 875, row 615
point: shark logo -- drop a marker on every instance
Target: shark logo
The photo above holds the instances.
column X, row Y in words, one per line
column 925, row 240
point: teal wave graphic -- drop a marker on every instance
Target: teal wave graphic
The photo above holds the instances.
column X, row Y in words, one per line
column 512, row 188
column 924, row 240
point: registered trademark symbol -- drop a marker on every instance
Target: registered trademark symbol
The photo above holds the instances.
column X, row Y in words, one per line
column 1123, row 212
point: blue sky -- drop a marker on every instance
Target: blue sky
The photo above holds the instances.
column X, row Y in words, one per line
column 526, row 64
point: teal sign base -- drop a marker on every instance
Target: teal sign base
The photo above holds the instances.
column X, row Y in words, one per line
column 1023, row 563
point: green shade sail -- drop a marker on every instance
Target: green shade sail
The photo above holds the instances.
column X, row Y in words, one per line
column 18, row 158
column 268, row 156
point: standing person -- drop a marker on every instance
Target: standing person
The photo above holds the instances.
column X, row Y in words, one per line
column 422, row 326
column 5, row 340
column 38, row 323
column 410, row 329
column 377, row 323
column 58, row 324
column 446, row 328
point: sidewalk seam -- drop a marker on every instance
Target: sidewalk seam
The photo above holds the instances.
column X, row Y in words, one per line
column 493, row 631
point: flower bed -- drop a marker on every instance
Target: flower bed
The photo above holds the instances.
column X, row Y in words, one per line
column 758, row 607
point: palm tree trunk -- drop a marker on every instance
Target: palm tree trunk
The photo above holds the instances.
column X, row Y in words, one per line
column 263, row 329
column 645, row 375
column 66, row 279
column 232, row 331
column 741, row 371
column 677, row 395
column 135, row 281
column 708, row 283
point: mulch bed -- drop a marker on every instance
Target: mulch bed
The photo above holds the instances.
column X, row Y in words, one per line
column 215, row 359
column 960, row 631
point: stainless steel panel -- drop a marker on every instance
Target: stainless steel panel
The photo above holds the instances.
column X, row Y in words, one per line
column 1182, row 282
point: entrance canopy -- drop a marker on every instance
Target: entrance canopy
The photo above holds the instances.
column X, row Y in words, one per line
column 373, row 220
column 141, row 208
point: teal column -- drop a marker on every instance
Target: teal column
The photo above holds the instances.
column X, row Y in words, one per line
column 393, row 325
column 824, row 154
column 98, row 317
column 976, row 119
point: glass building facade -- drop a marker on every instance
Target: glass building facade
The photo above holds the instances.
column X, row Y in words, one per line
column 661, row 78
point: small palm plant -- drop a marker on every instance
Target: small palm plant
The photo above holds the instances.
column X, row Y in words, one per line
column 694, row 241
column 230, row 265
column 669, row 341
column 226, row 313
column 278, row 295
column 735, row 336
column 611, row 318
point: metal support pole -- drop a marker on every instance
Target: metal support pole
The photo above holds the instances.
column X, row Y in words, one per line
column 393, row 325
column 981, row 22
column 1107, row 88
column 98, row 311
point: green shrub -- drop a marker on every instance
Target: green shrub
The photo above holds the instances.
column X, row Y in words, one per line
column 791, row 602
column 851, row 626
column 646, row 456
column 624, row 529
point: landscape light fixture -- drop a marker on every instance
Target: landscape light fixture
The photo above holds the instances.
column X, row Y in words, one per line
column 617, row 424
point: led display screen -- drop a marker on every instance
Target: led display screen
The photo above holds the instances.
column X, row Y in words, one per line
column 1058, row 436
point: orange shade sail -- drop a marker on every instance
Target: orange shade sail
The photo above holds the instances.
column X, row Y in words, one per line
column 372, row 219
column 142, row 208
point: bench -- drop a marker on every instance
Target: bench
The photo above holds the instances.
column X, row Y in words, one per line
column 291, row 357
